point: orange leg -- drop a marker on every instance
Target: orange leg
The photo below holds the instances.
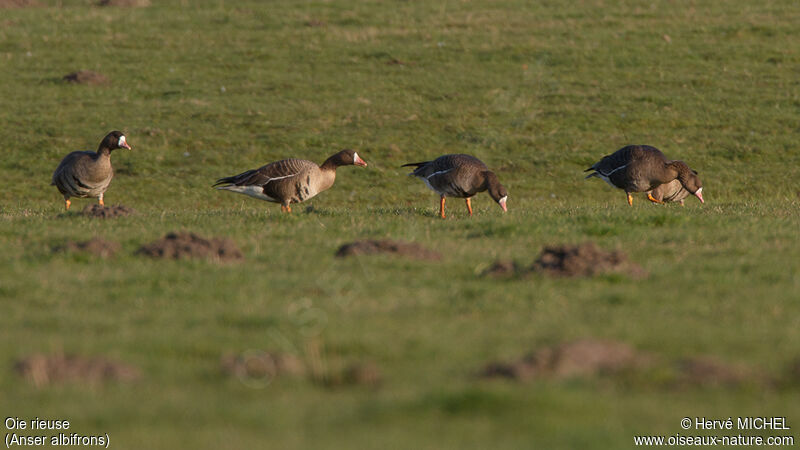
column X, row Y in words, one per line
column 67, row 203
column 469, row 207
column 286, row 208
column 100, row 200
column 653, row 199
column 441, row 208
column 630, row 199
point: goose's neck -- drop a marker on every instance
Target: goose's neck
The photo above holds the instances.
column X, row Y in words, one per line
column 326, row 178
column 103, row 151
column 669, row 173
column 484, row 180
column 330, row 165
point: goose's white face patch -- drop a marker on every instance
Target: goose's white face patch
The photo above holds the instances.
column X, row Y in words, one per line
column 123, row 143
column 502, row 203
column 699, row 191
column 358, row 161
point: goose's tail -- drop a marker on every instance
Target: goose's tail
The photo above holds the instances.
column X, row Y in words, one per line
column 593, row 174
column 417, row 164
column 234, row 180
column 419, row 170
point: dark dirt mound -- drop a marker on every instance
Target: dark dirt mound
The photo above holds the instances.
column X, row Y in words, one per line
column 503, row 268
column 581, row 358
column 124, row 3
column 583, row 261
column 313, row 23
column 96, row 246
column 43, row 370
column 370, row 247
column 710, row 371
column 86, row 77
column 190, row 245
column 397, row 62
column 592, row 358
column 107, row 212
column 7, row 4
column 793, row 371
column 261, row 367
column 569, row 261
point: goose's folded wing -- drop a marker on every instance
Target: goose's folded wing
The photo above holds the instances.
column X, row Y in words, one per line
column 73, row 164
column 277, row 170
column 613, row 162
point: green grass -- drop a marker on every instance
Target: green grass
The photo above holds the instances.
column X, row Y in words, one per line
column 537, row 91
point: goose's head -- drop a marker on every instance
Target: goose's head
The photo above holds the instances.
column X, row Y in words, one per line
column 348, row 157
column 689, row 179
column 496, row 190
column 114, row 140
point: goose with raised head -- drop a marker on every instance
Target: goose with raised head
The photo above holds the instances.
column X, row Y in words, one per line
column 460, row 176
column 289, row 180
column 88, row 174
column 642, row 168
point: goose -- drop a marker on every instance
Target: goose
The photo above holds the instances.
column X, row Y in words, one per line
column 460, row 176
column 88, row 174
column 289, row 180
column 642, row 168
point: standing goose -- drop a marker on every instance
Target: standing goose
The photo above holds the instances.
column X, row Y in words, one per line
column 642, row 168
column 289, row 180
column 88, row 174
column 459, row 176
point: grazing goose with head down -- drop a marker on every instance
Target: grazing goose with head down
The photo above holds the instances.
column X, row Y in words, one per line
column 642, row 168
column 88, row 174
column 460, row 176
column 289, row 180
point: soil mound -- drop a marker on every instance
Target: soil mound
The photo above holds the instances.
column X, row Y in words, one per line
column 592, row 358
column 583, row 358
column 355, row 374
column 43, row 370
column 793, row 371
column 124, row 3
column 710, row 371
column 261, row 367
column 86, row 77
column 107, row 212
column 8, row 4
column 503, row 268
column 371, row 247
column 583, row 260
column 96, row 246
column 190, row 245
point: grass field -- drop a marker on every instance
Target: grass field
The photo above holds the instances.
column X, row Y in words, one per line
column 539, row 91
